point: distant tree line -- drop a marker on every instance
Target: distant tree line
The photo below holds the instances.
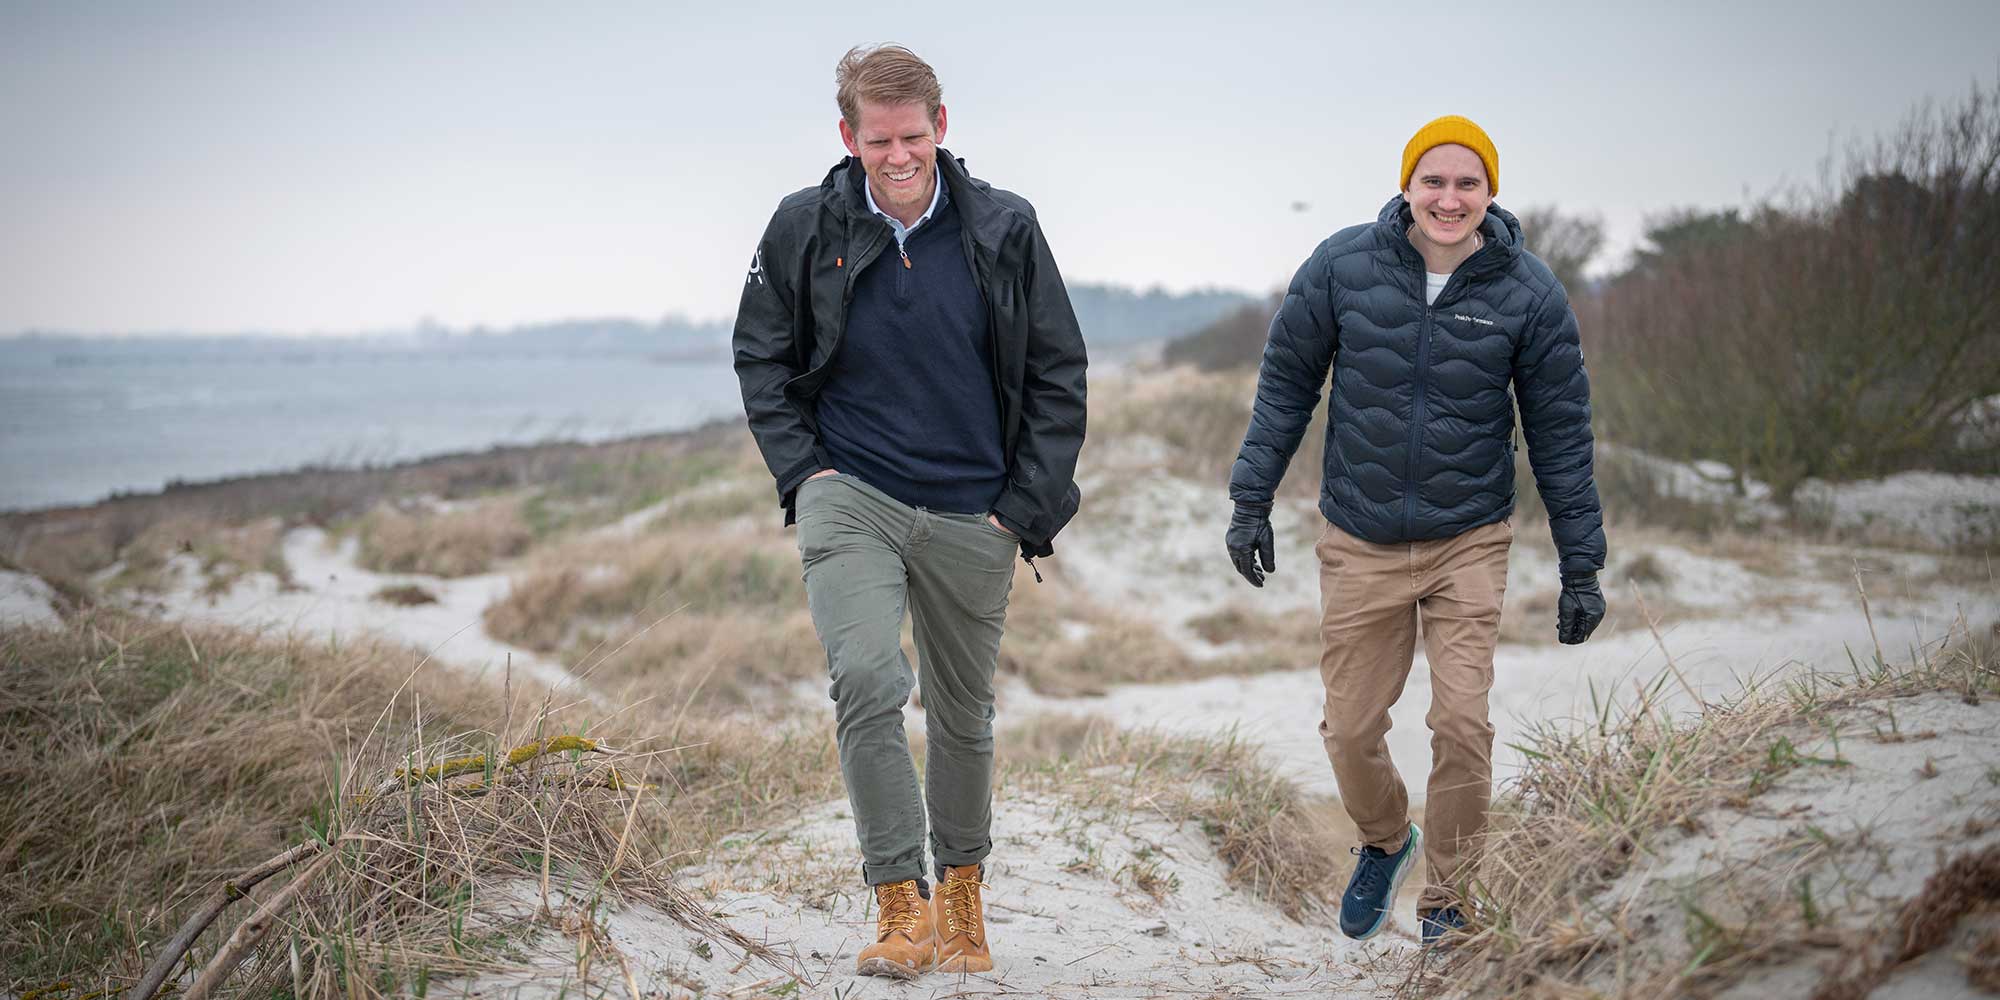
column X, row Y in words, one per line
column 1108, row 314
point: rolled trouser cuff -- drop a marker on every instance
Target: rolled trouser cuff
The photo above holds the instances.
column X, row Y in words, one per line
column 902, row 869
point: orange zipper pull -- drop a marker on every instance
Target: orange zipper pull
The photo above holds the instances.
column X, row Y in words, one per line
column 906, row 256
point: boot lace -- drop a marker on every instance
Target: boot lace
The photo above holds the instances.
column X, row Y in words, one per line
column 1371, row 873
column 899, row 909
column 959, row 899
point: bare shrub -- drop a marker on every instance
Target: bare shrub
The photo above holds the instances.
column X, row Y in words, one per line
column 1566, row 243
column 1843, row 332
column 1233, row 342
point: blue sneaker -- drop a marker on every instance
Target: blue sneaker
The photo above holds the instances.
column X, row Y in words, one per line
column 1364, row 908
column 1441, row 923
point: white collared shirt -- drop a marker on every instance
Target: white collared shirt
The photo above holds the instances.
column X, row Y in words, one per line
column 896, row 225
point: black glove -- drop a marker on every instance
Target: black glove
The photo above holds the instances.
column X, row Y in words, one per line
column 1579, row 609
column 1250, row 537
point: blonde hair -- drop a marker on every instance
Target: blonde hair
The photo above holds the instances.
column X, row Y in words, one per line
column 884, row 74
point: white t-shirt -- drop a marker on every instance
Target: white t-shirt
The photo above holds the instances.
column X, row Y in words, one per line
column 1433, row 284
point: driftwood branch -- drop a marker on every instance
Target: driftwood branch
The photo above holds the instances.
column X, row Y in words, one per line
column 478, row 762
column 251, row 931
column 231, row 891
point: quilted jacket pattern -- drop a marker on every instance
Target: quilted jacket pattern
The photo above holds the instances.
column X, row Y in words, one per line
column 1420, row 426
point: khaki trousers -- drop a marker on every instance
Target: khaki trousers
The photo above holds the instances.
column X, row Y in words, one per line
column 1371, row 599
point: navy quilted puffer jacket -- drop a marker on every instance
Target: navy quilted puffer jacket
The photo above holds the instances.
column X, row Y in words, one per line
column 1420, row 421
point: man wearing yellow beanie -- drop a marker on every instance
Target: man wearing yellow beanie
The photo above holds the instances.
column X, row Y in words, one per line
column 1434, row 322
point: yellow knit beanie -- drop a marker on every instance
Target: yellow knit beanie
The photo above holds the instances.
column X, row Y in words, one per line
column 1446, row 130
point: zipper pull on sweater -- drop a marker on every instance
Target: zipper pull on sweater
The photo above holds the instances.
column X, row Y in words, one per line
column 906, row 256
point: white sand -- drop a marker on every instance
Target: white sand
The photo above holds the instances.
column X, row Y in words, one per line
column 26, row 600
column 1941, row 509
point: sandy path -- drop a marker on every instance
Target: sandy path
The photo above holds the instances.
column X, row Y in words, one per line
column 1168, row 565
column 1065, row 920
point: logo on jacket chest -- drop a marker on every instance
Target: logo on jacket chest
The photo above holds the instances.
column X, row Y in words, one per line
column 1468, row 318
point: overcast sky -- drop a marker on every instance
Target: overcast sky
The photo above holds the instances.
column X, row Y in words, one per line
column 339, row 167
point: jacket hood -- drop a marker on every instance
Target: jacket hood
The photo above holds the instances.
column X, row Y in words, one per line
column 1500, row 228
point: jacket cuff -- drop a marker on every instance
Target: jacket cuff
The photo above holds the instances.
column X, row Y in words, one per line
column 788, row 484
column 1028, row 522
column 1017, row 512
column 1019, row 530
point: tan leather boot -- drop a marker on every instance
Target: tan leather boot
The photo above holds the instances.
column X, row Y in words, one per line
column 906, row 939
column 961, row 921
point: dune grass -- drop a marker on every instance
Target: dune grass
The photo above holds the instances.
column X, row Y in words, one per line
column 1198, row 420
column 1593, row 802
column 223, row 552
column 1278, row 843
column 147, row 762
column 612, row 484
column 591, row 587
column 459, row 541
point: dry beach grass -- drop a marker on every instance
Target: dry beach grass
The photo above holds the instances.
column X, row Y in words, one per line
column 456, row 542
column 1597, row 803
column 146, row 761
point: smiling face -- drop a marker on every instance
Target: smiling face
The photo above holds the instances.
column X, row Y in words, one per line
column 897, row 146
column 1448, row 194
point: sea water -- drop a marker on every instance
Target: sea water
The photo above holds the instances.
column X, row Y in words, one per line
column 78, row 425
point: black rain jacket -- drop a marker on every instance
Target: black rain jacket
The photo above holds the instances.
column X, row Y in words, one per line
column 1420, row 417
column 794, row 310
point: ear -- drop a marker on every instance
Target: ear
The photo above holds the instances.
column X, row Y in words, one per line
column 939, row 137
column 847, row 138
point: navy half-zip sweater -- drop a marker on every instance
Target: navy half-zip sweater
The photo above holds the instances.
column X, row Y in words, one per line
column 909, row 404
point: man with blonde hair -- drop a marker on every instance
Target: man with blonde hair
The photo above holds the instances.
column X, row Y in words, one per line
column 1434, row 321
column 914, row 376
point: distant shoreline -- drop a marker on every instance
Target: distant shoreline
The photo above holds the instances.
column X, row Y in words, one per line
column 292, row 490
